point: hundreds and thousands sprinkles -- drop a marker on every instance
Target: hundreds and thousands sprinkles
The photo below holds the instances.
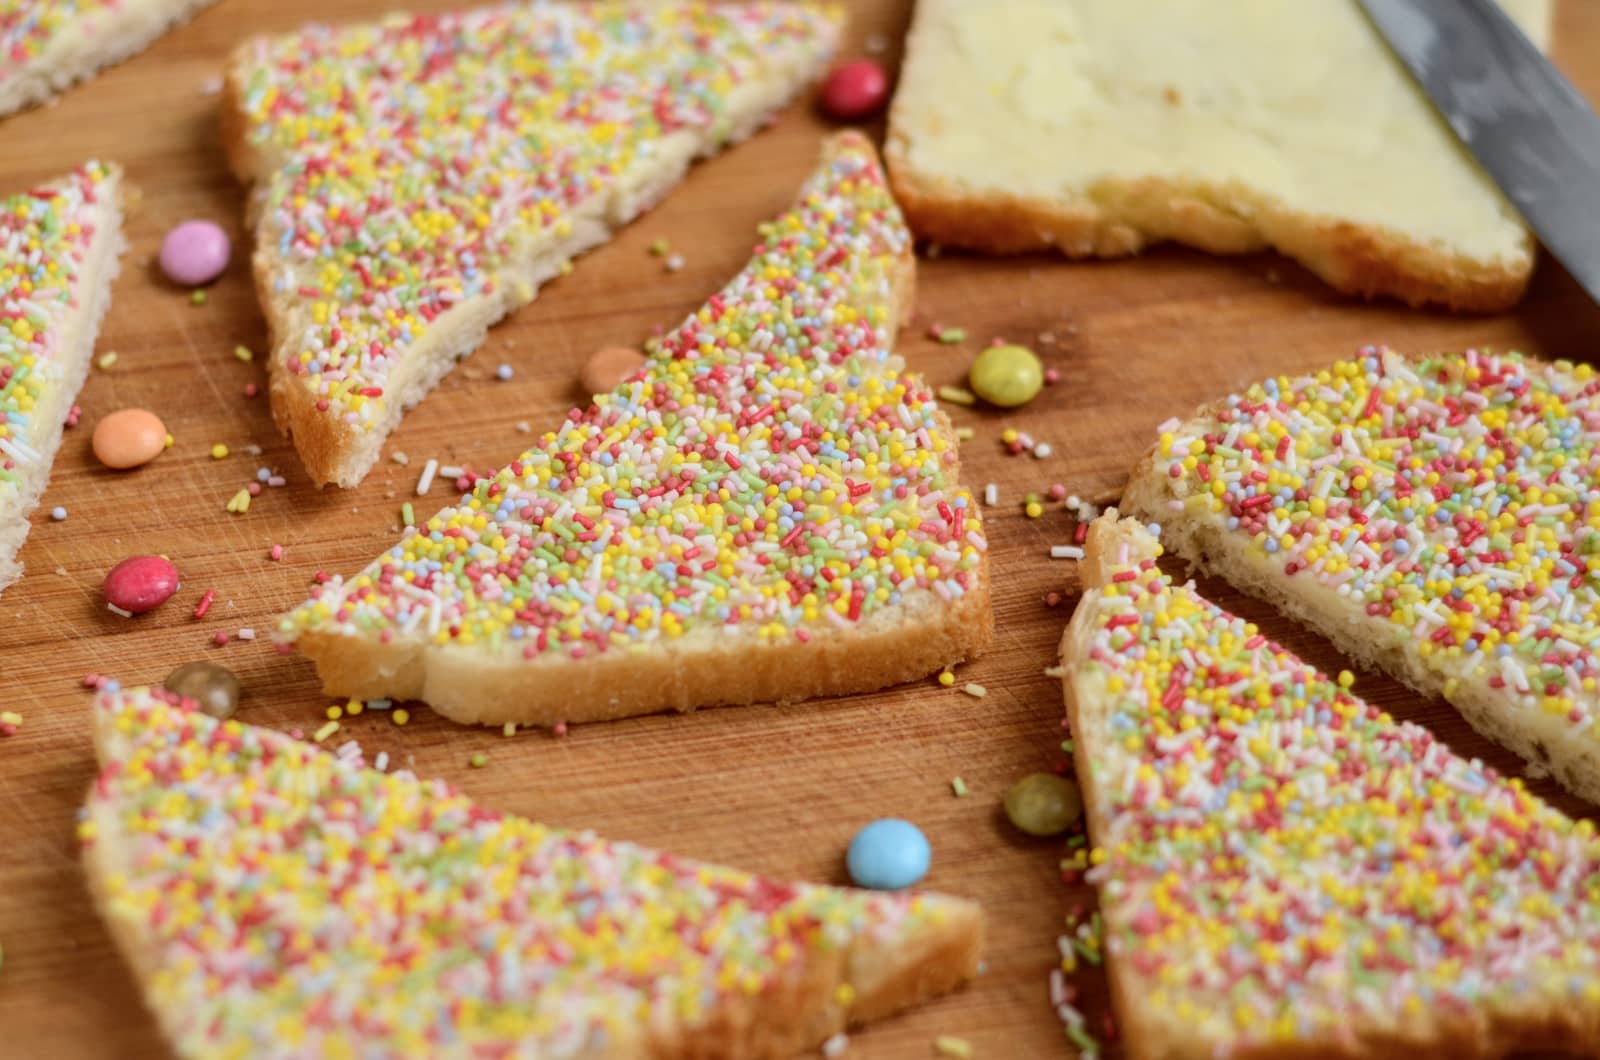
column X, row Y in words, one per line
column 283, row 900
column 769, row 471
column 1455, row 498
column 46, row 238
column 1280, row 862
column 417, row 157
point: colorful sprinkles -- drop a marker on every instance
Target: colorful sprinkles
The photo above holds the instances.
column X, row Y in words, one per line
column 1455, row 499
column 770, row 469
column 417, row 156
column 45, row 239
column 1282, row 863
column 289, row 898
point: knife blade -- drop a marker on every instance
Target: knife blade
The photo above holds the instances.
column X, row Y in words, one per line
column 1526, row 124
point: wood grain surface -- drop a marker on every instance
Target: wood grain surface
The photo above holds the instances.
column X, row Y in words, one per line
column 777, row 790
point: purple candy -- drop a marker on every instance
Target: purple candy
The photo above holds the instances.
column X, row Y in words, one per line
column 195, row 253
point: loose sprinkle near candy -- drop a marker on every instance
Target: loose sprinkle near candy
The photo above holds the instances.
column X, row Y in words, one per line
column 768, row 472
column 1286, row 863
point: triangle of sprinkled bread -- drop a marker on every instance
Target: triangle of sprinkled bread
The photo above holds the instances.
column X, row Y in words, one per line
column 48, row 45
column 59, row 245
column 274, row 900
column 1285, row 871
column 1437, row 517
column 418, row 178
column 769, row 510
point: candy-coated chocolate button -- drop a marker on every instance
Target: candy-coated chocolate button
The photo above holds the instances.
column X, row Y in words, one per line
column 608, row 367
column 1007, row 376
column 214, row 687
column 855, row 90
column 1044, row 804
column 888, row 855
column 195, row 253
column 128, row 438
column 141, row 583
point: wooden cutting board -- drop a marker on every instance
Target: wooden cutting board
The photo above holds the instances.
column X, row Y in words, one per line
column 777, row 790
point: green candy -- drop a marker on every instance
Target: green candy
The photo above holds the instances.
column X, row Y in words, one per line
column 1007, row 376
column 1044, row 804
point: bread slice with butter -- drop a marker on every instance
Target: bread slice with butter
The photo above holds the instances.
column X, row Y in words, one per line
column 1098, row 127
column 1285, row 871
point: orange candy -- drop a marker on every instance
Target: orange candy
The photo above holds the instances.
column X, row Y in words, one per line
column 608, row 367
column 128, row 438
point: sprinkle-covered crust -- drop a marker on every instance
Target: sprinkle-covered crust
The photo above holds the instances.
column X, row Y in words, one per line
column 45, row 45
column 1283, row 865
column 277, row 901
column 769, row 474
column 413, row 165
column 1451, row 502
column 51, row 239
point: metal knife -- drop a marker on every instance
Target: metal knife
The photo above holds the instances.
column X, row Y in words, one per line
column 1529, row 128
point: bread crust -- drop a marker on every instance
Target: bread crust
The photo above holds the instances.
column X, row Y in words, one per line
column 1531, row 734
column 798, row 1013
column 1361, row 260
column 1557, row 1023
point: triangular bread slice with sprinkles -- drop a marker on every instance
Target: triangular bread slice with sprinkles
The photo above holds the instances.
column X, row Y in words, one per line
column 1284, row 870
column 59, row 247
column 419, row 177
column 770, row 509
column 1438, row 517
column 46, row 45
column 274, row 900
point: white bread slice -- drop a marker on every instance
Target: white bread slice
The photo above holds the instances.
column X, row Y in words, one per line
column 1285, row 871
column 59, row 247
column 1516, row 652
column 273, row 900
column 770, row 509
column 418, row 179
column 1097, row 127
column 46, row 45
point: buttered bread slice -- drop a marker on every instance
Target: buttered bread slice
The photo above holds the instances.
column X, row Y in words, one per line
column 1285, row 871
column 59, row 245
column 275, row 901
column 1097, row 127
column 1438, row 517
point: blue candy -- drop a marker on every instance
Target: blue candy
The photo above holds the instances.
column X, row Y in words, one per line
column 888, row 855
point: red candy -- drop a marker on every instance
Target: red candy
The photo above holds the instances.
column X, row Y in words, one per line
column 855, row 90
column 140, row 583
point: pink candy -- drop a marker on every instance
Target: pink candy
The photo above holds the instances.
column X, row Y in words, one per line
column 140, row 583
column 855, row 90
column 195, row 253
